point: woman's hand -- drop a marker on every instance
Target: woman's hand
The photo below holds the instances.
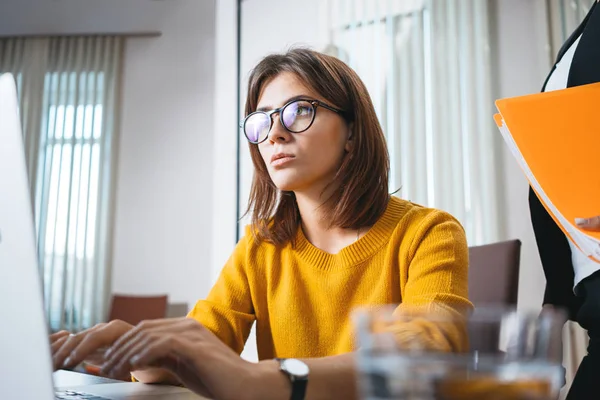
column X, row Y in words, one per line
column 68, row 350
column 188, row 350
column 589, row 224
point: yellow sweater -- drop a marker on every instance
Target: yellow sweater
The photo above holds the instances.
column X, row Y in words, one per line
column 301, row 298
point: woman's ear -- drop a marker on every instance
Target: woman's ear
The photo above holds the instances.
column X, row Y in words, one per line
column 349, row 141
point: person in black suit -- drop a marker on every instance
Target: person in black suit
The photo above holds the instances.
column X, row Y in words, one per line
column 573, row 280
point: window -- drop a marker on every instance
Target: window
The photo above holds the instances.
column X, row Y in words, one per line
column 72, row 149
column 67, row 89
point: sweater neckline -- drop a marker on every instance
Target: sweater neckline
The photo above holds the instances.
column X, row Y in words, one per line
column 357, row 252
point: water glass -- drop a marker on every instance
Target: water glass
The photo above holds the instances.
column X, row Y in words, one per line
column 490, row 353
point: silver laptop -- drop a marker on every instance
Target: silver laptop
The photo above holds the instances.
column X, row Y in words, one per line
column 25, row 360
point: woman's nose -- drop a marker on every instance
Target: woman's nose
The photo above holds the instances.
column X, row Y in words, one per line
column 278, row 132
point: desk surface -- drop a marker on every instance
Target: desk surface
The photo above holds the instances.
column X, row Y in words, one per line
column 64, row 378
column 73, row 380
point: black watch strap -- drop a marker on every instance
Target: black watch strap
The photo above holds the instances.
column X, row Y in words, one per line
column 298, row 384
column 298, row 389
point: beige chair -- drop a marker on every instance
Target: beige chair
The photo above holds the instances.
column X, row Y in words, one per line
column 494, row 273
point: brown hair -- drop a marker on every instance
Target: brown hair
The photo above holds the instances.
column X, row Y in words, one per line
column 361, row 194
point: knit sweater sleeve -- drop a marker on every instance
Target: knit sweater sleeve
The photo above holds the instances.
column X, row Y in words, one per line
column 436, row 286
column 228, row 310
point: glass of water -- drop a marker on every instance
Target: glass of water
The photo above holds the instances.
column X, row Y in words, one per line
column 491, row 353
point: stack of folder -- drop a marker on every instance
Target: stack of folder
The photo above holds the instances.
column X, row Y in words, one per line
column 555, row 138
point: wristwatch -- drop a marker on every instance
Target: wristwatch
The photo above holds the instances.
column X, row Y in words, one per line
column 297, row 371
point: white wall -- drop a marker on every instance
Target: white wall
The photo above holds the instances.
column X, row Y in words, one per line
column 39, row 17
column 163, row 228
column 522, row 64
column 224, row 192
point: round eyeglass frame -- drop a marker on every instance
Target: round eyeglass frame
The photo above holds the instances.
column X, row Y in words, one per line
column 314, row 103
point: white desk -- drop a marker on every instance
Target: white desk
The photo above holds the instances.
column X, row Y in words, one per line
column 114, row 389
column 64, row 378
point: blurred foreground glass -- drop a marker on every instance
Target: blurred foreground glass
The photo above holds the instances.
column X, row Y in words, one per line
column 497, row 353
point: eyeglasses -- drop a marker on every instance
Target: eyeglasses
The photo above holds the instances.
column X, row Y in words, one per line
column 295, row 116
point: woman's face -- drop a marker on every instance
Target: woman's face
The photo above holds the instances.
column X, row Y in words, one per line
column 305, row 161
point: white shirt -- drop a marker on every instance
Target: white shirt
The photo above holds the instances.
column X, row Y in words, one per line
column 582, row 265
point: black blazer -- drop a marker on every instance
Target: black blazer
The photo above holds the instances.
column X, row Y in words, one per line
column 553, row 246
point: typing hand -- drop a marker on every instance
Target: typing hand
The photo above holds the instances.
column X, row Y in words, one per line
column 188, row 350
column 69, row 350
column 589, row 224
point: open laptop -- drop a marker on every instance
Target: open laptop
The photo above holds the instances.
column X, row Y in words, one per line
column 25, row 360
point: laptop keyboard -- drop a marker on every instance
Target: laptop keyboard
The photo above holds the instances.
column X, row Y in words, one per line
column 70, row 395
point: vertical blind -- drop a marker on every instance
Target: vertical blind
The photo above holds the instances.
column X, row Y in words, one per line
column 68, row 106
column 426, row 64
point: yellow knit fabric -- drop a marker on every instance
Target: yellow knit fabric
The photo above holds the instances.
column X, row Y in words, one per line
column 301, row 298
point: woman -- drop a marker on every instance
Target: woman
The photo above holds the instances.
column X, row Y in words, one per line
column 325, row 238
column 573, row 280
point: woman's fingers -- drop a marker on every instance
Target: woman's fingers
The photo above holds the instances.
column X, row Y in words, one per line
column 140, row 329
column 154, row 347
column 64, row 351
column 142, row 356
column 58, row 343
column 103, row 335
column 58, row 336
column 117, row 354
column 146, row 336
column 589, row 224
column 77, row 347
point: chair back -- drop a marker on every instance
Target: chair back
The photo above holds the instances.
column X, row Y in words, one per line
column 134, row 309
column 494, row 273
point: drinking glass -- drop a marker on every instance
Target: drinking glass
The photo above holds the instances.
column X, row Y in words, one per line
column 491, row 353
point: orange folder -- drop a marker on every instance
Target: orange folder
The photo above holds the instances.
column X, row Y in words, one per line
column 555, row 138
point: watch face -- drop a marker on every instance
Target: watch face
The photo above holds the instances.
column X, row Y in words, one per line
column 295, row 367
